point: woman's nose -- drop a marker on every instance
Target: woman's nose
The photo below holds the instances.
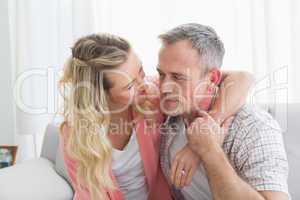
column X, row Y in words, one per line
column 142, row 88
column 140, row 79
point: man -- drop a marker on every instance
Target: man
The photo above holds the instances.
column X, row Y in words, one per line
column 250, row 161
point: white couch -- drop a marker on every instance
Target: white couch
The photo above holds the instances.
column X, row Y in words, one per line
column 38, row 179
column 45, row 178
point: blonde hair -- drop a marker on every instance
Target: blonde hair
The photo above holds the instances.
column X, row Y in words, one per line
column 84, row 88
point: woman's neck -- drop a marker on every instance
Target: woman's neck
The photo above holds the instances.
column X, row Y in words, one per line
column 120, row 129
column 121, row 119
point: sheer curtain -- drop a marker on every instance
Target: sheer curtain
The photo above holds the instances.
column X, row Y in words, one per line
column 41, row 36
column 259, row 36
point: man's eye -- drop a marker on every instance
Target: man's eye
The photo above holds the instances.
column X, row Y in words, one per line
column 161, row 75
column 179, row 78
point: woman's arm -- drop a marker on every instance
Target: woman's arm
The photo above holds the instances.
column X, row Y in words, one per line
column 232, row 94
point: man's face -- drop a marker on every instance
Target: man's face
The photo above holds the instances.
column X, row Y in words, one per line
column 183, row 83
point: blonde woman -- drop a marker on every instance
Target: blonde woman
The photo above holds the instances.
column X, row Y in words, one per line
column 109, row 151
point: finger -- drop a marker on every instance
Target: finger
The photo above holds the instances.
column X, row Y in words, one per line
column 202, row 126
column 202, row 113
column 178, row 173
column 197, row 124
column 184, row 178
column 228, row 121
column 217, row 116
column 190, row 175
column 226, row 125
column 173, row 169
column 212, row 125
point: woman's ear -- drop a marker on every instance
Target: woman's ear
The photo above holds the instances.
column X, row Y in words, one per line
column 215, row 76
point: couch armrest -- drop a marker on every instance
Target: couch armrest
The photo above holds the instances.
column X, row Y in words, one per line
column 33, row 180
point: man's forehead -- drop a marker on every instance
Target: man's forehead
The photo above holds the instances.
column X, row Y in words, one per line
column 175, row 69
column 179, row 57
column 186, row 69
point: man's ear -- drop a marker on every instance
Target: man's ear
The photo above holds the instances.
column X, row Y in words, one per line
column 215, row 76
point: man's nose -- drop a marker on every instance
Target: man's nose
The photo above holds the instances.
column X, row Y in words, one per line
column 166, row 87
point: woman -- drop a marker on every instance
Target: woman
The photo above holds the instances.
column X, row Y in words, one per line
column 108, row 151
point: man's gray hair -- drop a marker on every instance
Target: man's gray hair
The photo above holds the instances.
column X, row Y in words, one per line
column 203, row 38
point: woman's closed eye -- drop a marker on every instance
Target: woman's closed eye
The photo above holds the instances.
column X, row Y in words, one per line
column 129, row 86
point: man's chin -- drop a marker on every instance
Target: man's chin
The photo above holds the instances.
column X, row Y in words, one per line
column 172, row 111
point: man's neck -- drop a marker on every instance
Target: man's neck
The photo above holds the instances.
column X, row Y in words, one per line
column 205, row 106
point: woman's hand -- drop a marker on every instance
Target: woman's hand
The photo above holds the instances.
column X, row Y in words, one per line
column 183, row 167
column 232, row 94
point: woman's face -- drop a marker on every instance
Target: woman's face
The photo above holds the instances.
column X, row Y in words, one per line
column 127, row 82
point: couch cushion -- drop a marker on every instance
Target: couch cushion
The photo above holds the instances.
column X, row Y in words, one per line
column 50, row 143
column 33, row 180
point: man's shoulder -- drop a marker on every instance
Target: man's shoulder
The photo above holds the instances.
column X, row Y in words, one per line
column 252, row 116
column 252, row 123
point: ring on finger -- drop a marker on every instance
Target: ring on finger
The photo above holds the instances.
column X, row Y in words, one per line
column 183, row 172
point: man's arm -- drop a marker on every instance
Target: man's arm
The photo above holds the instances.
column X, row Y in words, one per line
column 264, row 173
column 232, row 95
column 226, row 184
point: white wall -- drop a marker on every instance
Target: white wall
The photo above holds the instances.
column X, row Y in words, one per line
column 6, row 95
